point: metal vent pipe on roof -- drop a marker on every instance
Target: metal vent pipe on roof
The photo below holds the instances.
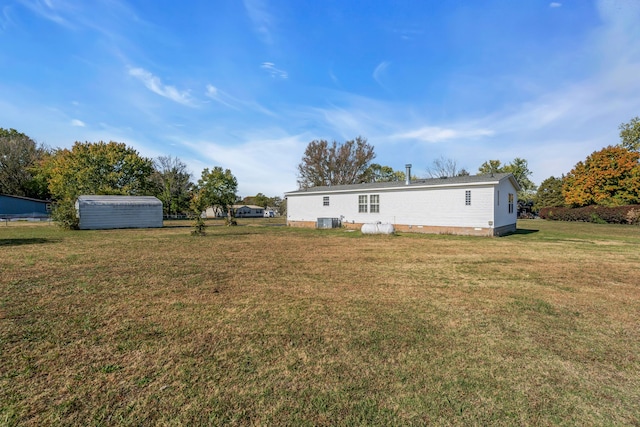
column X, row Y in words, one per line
column 407, row 180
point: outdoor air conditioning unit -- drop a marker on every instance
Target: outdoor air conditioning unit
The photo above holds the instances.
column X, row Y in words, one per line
column 328, row 223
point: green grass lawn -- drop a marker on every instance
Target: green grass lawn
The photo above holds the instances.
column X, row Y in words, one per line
column 262, row 324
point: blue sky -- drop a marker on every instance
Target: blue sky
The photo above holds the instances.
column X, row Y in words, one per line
column 246, row 85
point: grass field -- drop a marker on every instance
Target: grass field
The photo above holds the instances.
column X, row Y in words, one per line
column 267, row 325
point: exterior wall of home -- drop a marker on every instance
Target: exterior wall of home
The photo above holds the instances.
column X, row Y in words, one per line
column 22, row 207
column 425, row 209
column 119, row 212
column 410, row 206
column 502, row 215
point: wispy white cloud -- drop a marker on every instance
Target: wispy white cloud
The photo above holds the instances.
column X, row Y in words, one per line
column 77, row 123
column 5, row 18
column 262, row 20
column 234, row 103
column 407, row 33
column 379, row 72
column 263, row 159
column 439, row 134
column 217, row 95
column 274, row 72
column 50, row 10
column 333, row 77
column 154, row 84
column 555, row 4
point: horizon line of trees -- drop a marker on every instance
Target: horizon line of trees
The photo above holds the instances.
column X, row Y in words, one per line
column 33, row 170
column 608, row 177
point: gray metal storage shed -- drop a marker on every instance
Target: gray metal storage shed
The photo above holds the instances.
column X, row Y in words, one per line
column 106, row 212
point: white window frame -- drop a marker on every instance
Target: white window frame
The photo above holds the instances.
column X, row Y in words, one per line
column 362, row 203
column 467, row 197
column 325, row 201
column 374, row 203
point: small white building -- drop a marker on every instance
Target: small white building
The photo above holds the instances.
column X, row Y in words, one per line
column 248, row 211
column 481, row 205
column 107, row 212
column 239, row 211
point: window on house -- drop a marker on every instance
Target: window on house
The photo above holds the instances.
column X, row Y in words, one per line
column 374, row 203
column 467, row 197
column 362, row 204
column 325, row 201
column 498, row 197
column 510, row 203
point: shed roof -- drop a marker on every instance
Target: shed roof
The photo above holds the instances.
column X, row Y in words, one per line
column 455, row 181
column 247, row 206
column 121, row 200
column 26, row 198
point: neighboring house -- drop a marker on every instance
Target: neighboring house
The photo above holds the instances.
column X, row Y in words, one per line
column 107, row 212
column 248, row 211
column 240, row 211
column 482, row 205
column 16, row 207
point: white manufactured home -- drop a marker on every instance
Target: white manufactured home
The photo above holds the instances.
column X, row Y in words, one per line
column 107, row 212
column 481, row 205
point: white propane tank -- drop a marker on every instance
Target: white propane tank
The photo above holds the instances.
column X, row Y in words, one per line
column 377, row 228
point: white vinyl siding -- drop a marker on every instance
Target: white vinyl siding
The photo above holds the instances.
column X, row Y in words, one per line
column 411, row 205
column 502, row 212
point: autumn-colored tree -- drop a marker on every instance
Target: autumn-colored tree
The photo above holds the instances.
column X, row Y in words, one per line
column 549, row 193
column 609, row 177
column 335, row 164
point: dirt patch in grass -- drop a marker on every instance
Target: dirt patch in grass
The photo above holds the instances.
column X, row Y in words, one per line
column 270, row 325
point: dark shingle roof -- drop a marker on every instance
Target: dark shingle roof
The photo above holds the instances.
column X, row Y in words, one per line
column 430, row 182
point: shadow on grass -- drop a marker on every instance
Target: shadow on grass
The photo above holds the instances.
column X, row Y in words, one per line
column 524, row 231
column 20, row 242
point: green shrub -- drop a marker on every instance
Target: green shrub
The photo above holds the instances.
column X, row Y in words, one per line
column 199, row 226
column 64, row 214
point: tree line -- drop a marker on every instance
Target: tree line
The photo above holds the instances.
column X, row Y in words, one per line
column 608, row 177
column 33, row 170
